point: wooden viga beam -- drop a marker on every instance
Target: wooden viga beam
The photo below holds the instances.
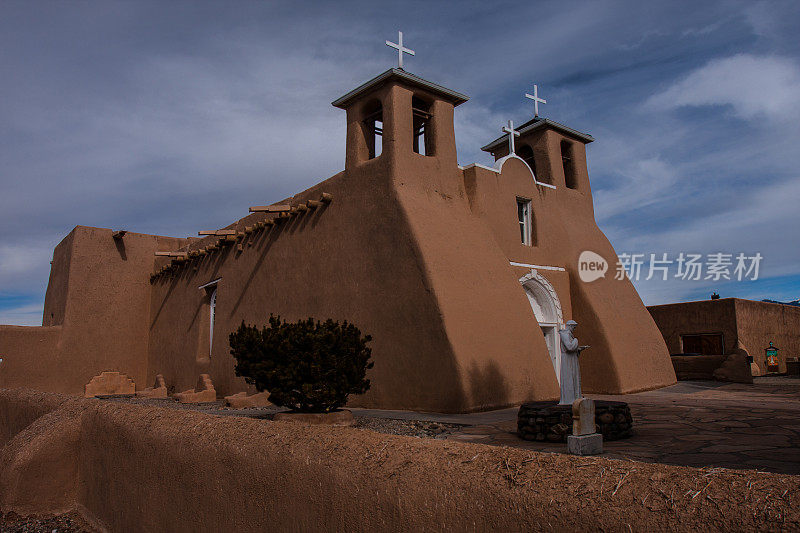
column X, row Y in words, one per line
column 218, row 232
column 171, row 254
column 275, row 208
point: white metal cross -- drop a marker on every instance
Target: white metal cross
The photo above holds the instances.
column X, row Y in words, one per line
column 536, row 100
column 511, row 134
column 400, row 49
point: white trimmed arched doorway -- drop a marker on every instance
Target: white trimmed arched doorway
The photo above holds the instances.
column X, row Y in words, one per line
column 547, row 310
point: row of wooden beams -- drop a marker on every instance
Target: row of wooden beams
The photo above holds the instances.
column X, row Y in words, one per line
column 325, row 198
column 231, row 235
column 218, row 232
column 277, row 208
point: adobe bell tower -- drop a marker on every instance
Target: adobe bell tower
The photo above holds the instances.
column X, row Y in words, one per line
column 399, row 118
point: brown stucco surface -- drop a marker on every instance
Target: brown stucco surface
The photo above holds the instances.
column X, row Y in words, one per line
column 413, row 249
column 95, row 318
column 155, row 469
column 751, row 323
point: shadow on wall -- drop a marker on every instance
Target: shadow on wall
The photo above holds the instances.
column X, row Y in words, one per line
column 487, row 386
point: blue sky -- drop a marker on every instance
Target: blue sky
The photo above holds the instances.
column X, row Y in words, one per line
column 169, row 117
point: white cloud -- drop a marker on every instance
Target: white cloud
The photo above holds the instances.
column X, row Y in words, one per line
column 28, row 315
column 642, row 183
column 755, row 86
column 17, row 262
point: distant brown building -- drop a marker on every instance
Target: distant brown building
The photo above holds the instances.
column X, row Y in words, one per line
column 715, row 327
column 463, row 275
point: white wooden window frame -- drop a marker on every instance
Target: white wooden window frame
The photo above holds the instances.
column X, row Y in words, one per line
column 211, row 288
column 525, row 221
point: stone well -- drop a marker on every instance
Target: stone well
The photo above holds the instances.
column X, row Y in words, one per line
column 548, row 421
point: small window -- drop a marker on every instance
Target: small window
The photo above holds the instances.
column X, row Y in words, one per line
column 703, row 344
column 373, row 124
column 526, row 153
column 569, row 165
column 212, row 310
column 525, row 221
column 421, row 124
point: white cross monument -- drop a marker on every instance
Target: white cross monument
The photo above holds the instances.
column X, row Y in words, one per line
column 400, row 49
column 536, row 100
column 511, row 134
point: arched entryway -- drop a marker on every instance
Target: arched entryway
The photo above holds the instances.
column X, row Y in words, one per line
column 547, row 310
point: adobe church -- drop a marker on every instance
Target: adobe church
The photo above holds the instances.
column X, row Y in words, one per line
column 463, row 275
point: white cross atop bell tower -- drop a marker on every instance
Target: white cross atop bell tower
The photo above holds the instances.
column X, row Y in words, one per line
column 400, row 49
column 536, row 100
column 511, row 134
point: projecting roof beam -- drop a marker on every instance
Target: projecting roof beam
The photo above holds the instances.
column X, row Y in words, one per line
column 218, row 232
column 277, row 208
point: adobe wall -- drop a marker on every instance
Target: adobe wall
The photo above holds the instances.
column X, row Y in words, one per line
column 27, row 353
column 96, row 314
column 55, row 299
column 451, row 325
column 139, row 468
column 758, row 323
column 501, row 354
column 705, row 316
column 627, row 352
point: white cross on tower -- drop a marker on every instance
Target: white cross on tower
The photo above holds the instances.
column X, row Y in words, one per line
column 511, row 134
column 400, row 49
column 536, row 100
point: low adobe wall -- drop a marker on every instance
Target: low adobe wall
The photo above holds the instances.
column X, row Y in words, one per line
column 762, row 322
column 142, row 468
column 29, row 355
column 697, row 366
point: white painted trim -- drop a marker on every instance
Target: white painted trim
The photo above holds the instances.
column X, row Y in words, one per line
column 500, row 162
column 537, row 267
column 498, row 170
column 540, row 293
column 210, row 283
column 484, row 167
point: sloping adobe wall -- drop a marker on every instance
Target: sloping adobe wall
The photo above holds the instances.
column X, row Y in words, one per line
column 39, row 446
column 352, row 260
column 627, row 351
column 96, row 314
column 157, row 469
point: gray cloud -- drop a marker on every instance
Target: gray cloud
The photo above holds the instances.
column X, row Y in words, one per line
column 172, row 117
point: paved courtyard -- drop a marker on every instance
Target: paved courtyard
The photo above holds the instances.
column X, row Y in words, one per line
column 692, row 423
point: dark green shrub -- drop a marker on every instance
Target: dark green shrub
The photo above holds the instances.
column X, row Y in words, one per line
column 307, row 366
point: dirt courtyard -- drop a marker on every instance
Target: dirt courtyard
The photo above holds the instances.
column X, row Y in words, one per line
column 692, row 423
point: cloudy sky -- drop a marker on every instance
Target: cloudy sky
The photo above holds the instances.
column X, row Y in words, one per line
column 169, row 117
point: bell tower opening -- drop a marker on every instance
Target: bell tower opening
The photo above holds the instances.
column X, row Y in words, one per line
column 421, row 120
column 568, row 164
column 526, row 153
column 373, row 128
